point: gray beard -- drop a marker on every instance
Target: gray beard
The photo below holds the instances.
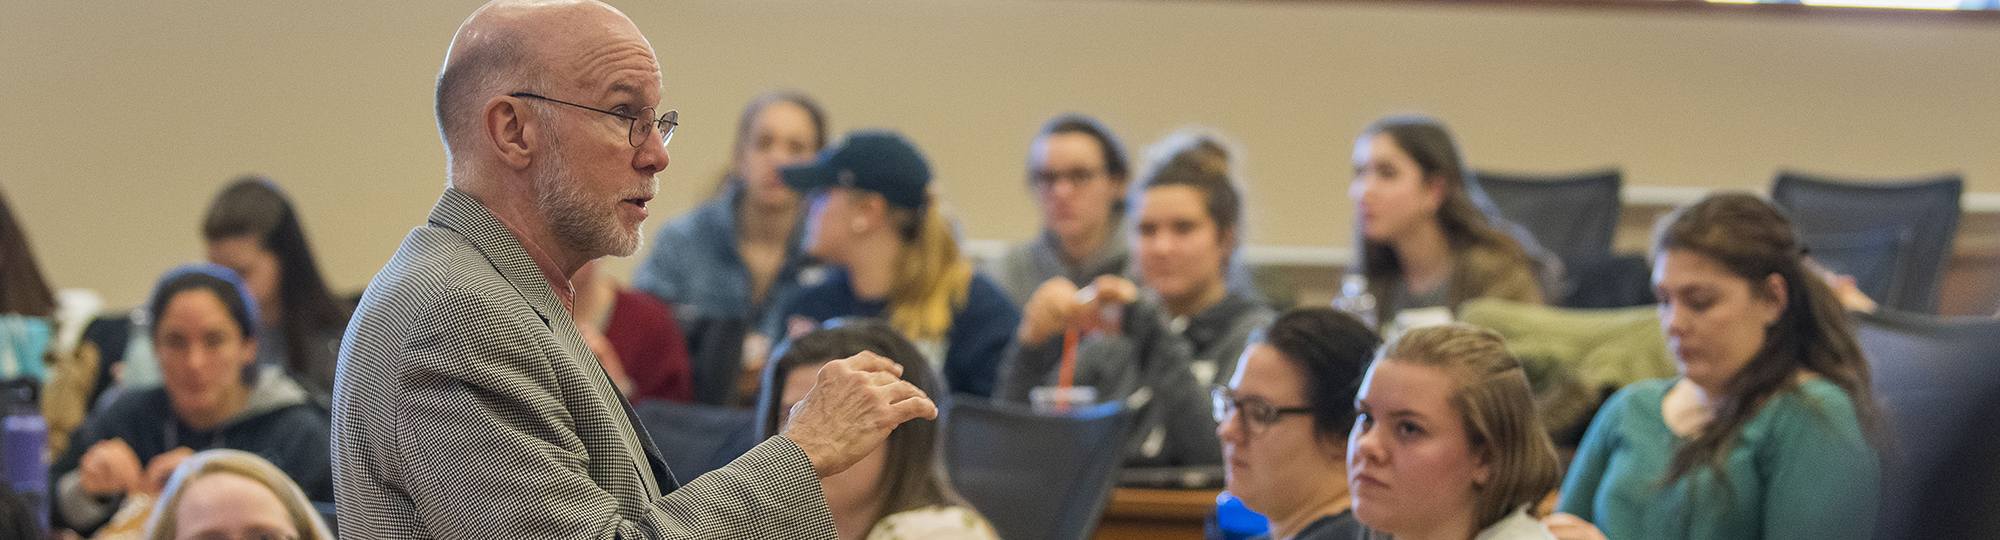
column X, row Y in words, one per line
column 577, row 222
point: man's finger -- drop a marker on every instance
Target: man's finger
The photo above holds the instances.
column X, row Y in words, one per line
column 902, row 390
column 913, row 408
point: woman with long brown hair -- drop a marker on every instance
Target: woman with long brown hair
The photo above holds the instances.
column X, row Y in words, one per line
column 1424, row 240
column 1771, row 431
column 900, row 490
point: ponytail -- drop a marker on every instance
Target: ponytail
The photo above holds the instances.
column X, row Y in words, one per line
column 931, row 278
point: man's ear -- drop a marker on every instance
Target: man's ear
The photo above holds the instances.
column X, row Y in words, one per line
column 513, row 137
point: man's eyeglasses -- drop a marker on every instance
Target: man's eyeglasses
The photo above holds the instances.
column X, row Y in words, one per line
column 1256, row 414
column 637, row 129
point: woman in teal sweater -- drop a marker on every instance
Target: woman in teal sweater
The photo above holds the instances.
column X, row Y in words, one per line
column 1770, row 433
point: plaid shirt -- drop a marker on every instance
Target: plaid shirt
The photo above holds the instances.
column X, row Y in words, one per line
column 468, row 406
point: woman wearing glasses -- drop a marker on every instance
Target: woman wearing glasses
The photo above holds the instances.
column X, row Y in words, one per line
column 1446, row 443
column 1284, row 421
column 1077, row 171
column 1170, row 343
column 723, row 264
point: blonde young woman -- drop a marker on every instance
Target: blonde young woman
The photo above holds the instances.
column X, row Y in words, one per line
column 1425, row 243
column 1447, row 445
column 233, row 494
column 872, row 219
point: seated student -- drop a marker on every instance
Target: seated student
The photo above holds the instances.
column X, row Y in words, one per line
column 1424, row 241
column 251, row 228
column 1285, row 418
column 233, row 494
column 1171, row 342
column 893, row 256
column 1079, row 174
column 214, row 396
column 723, row 265
column 634, row 336
column 899, row 491
column 1447, row 444
column 1770, row 432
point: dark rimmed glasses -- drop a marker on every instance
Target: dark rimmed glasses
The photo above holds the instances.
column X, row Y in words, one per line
column 637, row 128
column 1256, row 414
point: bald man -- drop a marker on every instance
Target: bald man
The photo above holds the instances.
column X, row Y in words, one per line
column 468, row 406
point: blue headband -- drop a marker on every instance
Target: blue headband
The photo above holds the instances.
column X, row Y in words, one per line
column 216, row 271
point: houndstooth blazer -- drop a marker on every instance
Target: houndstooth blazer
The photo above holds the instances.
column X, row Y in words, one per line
column 466, row 405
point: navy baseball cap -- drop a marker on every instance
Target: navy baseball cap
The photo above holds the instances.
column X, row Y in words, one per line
column 875, row 160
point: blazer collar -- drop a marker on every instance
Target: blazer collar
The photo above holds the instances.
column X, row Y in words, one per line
column 460, row 212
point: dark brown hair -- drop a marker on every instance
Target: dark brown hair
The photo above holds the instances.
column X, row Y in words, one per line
column 1753, row 241
column 22, row 289
column 915, row 476
column 1333, row 348
column 1466, row 227
column 1115, row 163
column 1493, row 396
column 253, row 206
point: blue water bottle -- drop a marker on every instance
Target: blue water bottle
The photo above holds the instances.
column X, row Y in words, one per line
column 1233, row 521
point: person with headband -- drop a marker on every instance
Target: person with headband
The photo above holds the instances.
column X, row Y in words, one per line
column 214, row 395
column 1771, row 431
column 874, row 221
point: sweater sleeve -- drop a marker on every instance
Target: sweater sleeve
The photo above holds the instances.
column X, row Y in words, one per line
column 1593, row 456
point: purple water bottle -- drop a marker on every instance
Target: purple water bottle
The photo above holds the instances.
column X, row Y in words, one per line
column 22, row 443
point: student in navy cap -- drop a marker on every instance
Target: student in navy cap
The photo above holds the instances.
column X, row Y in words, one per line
column 892, row 255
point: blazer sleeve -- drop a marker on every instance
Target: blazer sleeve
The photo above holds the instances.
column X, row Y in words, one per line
column 489, row 451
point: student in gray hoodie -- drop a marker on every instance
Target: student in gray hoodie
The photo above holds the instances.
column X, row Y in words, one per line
column 214, row 396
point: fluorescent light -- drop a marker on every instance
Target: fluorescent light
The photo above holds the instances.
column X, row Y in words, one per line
column 1905, row 4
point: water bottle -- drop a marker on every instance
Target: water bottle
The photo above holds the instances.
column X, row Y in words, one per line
column 22, row 446
column 1233, row 521
column 1355, row 298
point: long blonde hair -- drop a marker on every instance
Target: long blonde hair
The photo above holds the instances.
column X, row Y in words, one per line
column 932, row 278
column 165, row 523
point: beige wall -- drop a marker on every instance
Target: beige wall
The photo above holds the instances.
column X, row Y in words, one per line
column 119, row 119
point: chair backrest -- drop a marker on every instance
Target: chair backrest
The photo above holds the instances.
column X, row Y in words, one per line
column 1573, row 215
column 1892, row 235
column 1938, row 380
column 1035, row 476
column 693, row 438
column 715, row 356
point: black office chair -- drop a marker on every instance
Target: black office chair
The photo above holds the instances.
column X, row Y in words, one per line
column 1893, row 236
column 694, row 438
column 1576, row 217
column 1034, row 476
column 1938, row 380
